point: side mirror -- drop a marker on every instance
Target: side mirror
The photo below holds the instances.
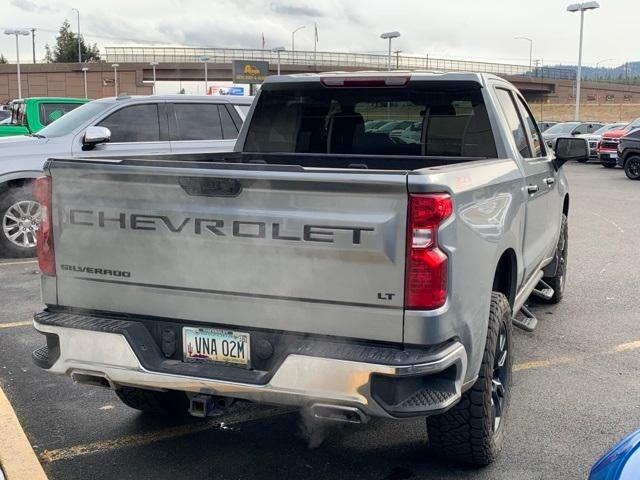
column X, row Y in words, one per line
column 95, row 135
column 570, row 148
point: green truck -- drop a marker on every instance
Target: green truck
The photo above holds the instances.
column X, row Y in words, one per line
column 30, row 115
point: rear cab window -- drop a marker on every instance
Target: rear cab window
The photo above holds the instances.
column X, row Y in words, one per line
column 49, row 112
column 424, row 118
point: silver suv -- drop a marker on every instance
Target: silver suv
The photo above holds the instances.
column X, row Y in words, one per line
column 126, row 125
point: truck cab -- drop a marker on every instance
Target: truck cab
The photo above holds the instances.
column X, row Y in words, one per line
column 30, row 115
column 608, row 145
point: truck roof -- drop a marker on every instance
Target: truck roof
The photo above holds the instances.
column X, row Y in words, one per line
column 51, row 99
column 413, row 75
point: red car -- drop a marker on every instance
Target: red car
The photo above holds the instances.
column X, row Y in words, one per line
column 608, row 144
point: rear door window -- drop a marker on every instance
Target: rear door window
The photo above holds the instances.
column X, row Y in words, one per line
column 424, row 118
column 50, row 112
column 513, row 120
column 534, row 132
column 136, row 123
column 197, row 121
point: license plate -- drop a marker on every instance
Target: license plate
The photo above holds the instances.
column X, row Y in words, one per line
column 613, row 155
column 216, row 346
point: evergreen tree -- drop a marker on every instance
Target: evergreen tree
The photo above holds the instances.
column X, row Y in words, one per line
column 3, row 59
column 66, row 48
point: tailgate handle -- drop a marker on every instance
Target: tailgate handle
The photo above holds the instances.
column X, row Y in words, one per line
column 210, row 187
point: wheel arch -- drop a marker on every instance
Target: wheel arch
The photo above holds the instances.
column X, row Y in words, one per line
column 505, row 276
column 18, row 179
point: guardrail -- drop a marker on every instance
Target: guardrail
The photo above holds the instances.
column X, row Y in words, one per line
column 324, row 60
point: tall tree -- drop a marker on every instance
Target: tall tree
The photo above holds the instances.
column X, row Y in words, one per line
column 3, row 59
column 66, row 48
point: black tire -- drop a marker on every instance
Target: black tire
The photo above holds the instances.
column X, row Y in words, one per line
column 632, row 168
column 608, row 165
column 169, row 403
column 8, row 200
column 470, row 432
column 584, row 160
column 558, row 282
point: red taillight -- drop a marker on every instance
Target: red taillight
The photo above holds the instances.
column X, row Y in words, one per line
column 426, row 276
column 44, row 237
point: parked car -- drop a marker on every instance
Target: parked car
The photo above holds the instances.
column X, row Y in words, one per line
column 628, row 154
column 594, row 138
column 125, row 125
column 544, row 126
column 568, row 128
column 608, row 145
column 320, row 265
column 30, row 115
column 622, row 462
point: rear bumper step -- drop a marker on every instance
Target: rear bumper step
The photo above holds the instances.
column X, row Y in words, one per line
column 369, row 379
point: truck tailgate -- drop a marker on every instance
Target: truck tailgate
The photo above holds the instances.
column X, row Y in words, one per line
column 312, row 251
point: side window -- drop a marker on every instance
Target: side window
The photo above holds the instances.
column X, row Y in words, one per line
column 513, row 120
column 53, row 111
column 581, row 129
column 197, row 121
column 137, row 123
column 534, row 132
column 229, row 130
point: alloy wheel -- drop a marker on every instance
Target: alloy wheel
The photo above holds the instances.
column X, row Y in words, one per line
column 499, row 379
column 21, row 222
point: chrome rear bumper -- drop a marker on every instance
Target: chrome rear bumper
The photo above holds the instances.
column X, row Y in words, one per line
column 300, row 380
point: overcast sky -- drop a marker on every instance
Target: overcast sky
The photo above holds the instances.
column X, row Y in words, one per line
column 464, row 29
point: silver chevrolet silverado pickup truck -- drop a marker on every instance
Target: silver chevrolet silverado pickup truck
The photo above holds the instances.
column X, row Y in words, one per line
column 332, row 263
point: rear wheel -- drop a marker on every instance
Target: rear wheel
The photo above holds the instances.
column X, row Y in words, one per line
column 20, row 218
column 608, row 165
column 171, row 403
column 473, row 431
column 632, row 168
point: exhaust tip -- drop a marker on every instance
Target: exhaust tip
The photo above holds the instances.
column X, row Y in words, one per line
column 338, row 413
column 91, row 379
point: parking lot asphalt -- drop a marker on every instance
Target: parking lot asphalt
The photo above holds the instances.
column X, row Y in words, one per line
column 576, row 388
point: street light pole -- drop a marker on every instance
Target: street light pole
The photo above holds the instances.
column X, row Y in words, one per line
column 33, row 44
column 84, row 72
column 115, row 77
column 206, row 78
column 154, row 65
column 580, row 7
column 17, row 32
column 293, row 42
column 389, row 36
column 530, row 49
column 79, row 49
column 278, row 50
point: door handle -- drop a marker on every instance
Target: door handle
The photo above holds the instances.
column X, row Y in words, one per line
column 532, row 188
column 550, row 181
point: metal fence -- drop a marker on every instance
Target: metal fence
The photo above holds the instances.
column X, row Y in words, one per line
column 324, row 60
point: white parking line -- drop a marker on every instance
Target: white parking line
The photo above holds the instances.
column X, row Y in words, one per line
column 18, row 459
column 21, row 262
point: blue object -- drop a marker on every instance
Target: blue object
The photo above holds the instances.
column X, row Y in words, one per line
column 622, row 462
